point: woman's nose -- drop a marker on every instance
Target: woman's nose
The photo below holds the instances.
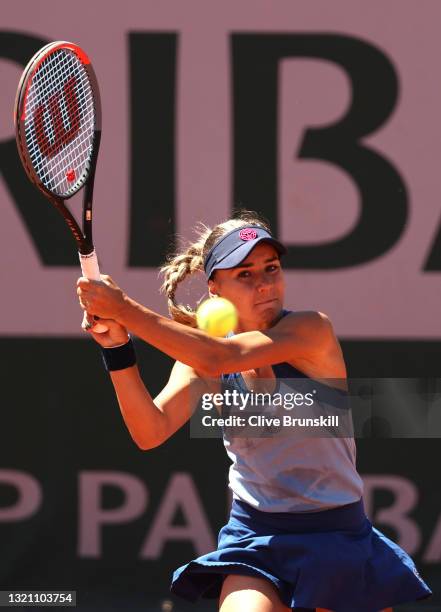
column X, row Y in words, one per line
column 264, row 282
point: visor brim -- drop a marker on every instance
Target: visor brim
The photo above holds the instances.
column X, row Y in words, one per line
column 235, row 258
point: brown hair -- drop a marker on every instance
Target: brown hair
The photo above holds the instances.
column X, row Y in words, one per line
column 190, row 260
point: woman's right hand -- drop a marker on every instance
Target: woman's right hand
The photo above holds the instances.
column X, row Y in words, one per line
column 115, row 335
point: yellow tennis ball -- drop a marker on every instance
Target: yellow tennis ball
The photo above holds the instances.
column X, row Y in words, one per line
column 216, row 316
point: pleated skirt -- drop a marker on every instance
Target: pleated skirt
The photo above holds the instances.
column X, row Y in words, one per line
column 333, row 559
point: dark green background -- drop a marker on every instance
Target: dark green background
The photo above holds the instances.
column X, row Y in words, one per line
column 60, row 417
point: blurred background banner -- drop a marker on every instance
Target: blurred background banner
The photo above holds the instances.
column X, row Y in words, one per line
column 322, row 116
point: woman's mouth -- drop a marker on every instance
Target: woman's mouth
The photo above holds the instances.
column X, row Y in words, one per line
column 270, row 301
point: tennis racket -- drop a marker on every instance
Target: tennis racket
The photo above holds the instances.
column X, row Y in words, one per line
column 57, row 119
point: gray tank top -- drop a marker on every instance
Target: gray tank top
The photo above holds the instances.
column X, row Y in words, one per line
column 291, row 473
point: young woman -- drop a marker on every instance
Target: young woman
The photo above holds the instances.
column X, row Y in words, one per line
column 297, row 537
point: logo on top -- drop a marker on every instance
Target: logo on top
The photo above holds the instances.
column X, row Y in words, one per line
column 248, row 234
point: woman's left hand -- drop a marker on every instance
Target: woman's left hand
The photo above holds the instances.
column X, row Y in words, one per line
column 101, row 298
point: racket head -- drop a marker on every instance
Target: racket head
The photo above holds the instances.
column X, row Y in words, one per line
column 57, row 118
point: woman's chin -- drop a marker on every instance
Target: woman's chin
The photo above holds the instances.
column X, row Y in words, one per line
column 262, row 316
column 269, row 312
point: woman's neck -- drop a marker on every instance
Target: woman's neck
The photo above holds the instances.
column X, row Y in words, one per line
column 252, row 325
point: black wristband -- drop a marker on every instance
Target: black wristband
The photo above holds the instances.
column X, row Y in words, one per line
column 119, row 357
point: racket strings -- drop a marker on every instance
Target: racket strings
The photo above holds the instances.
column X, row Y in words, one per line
column 57, row 109
column 59, row 102
column 60, row 122
column 72, row 161
column 58, row 171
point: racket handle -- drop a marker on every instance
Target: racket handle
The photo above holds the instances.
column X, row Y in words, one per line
column 89, row 266
column 91, row 270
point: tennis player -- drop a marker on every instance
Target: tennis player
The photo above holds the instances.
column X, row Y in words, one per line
column 297, row 537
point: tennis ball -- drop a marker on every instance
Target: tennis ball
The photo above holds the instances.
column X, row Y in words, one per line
column 216, row 316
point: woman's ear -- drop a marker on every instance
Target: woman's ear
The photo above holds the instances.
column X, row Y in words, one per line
column 212, row 290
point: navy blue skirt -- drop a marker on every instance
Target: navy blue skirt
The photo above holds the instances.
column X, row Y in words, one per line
column 333, row 559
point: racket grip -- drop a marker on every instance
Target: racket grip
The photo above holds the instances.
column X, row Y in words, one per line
column 91, row 270
column 89, row 266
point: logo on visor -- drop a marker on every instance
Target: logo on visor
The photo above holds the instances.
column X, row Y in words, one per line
column 248, row 234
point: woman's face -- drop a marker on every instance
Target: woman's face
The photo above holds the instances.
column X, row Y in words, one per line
column 256, row 287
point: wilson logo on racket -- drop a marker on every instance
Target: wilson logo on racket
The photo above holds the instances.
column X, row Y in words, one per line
column 61, row 135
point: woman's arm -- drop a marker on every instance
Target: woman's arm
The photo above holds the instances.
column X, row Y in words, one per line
column 143, row 419
column 300, row 336
column 152, row 421
column 181, row 342
column 305, row 339
column 185, row 344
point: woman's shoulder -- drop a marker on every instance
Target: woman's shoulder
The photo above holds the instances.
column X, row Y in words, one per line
column 307, row 320
column 314, row 329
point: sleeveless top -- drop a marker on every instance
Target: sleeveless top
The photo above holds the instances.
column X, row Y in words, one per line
column 291, row 473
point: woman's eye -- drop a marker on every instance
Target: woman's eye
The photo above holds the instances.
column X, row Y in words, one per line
column 247, row 273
